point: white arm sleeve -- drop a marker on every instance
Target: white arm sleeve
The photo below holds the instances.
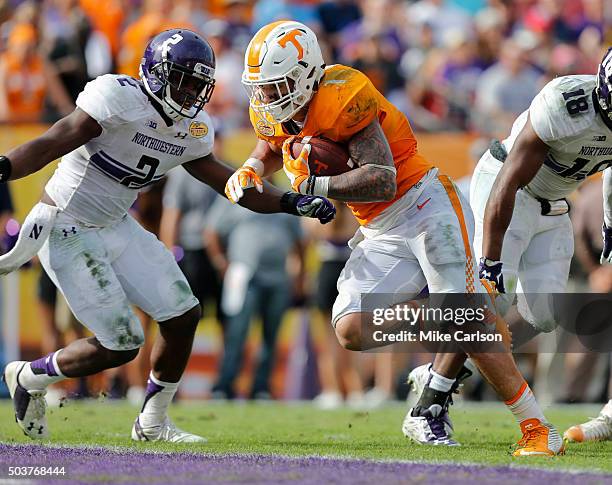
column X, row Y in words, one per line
column 34, row 232
column 607, row 196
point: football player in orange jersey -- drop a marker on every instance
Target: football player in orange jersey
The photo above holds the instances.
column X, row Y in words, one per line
column 416, row 228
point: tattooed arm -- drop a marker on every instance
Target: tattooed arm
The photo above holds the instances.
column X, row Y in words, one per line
column 374, row 179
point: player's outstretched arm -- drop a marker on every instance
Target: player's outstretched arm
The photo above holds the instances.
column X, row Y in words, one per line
column 69, row 133
column 263, row 162
column 523, row 162
column 215, row 173
column 374, row 179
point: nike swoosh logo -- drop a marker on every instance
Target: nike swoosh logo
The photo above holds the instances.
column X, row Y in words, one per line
column 420, row 206
column 278, row 62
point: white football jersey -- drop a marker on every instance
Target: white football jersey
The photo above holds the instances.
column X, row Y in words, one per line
column 564, row 115
column 98, row 182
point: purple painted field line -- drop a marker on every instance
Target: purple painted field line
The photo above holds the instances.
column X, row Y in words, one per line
column 100, row 465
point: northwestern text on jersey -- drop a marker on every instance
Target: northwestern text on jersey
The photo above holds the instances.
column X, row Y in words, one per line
column 158, row 145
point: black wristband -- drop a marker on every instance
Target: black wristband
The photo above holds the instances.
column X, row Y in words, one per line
column 310, row 184
column 288, row 203
column 5, row 169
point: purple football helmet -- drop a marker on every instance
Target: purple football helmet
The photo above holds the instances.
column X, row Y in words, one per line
column 604, row 84
column 178, row 68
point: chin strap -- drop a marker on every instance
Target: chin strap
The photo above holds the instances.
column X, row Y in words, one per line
column 34, row 232
column 170, row 110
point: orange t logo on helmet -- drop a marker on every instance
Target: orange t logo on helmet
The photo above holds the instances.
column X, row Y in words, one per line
column 291, row 37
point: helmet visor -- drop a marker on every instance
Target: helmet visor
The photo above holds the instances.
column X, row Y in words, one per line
column 277, row 98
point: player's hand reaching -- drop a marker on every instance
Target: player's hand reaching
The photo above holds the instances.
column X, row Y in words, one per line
column 313, row 206
column 490, row 272
column 316, row 207
column 296, row 168
column 606, row 254
column 244, row 178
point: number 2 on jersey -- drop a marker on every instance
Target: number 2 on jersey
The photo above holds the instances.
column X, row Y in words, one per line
column 135, row 180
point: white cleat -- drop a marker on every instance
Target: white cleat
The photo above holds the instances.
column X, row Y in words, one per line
column 328, row 400
column 430, row 427
column 416, row 428
column 166, row 431
column 376, row 398
column 419, row 428
column 355, row 400
column 29, row 404
column 55, row 397
column 597, row 429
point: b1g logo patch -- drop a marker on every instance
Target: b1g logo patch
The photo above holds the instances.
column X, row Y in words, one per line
column 198, row 129
column 264, row 128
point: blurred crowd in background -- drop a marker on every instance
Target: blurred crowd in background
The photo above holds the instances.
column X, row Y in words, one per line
column 450, row 65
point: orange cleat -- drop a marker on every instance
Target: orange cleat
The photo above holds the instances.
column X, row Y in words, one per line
column 539, row 439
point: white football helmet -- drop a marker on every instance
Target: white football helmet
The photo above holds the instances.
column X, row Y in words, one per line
column 282, row 67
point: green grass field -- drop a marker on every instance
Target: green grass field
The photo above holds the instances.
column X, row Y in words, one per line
column 486, row 432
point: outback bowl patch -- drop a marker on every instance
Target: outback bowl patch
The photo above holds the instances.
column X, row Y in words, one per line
column 198, row 129
column 265, row 128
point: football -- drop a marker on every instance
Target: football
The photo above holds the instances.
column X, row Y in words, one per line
column 326, row 156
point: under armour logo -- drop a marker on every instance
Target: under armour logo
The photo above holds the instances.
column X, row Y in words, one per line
column 181, row 135
column 67, row 233
column 32, row 427
column 152, row 124
column 36, row 230
column 599, row 138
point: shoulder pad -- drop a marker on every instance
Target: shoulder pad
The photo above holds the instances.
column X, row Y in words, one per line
column 113, row 99
column 563, row 108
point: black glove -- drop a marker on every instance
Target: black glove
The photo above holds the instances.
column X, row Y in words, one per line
column 308, row 206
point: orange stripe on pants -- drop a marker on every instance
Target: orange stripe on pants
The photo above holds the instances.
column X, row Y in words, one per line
column 470, row 284
column 451, row 191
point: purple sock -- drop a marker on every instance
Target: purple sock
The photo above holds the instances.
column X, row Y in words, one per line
column 158, row 398
column 41, row 373
column 152, row 390
column 44, row 365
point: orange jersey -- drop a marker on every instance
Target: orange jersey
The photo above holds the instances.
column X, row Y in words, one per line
column 25, row 87
column 345, row 103
column 107, row 17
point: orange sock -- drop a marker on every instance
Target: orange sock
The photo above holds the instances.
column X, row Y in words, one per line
column 524, row 405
